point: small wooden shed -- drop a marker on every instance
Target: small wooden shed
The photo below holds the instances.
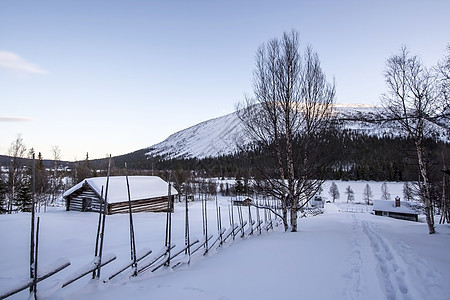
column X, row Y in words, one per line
column 147, row 193
column 246, row 202
column 395, row 209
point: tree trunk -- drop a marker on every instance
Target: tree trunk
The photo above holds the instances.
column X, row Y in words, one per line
column 291, row 176
column 444, row 206
column 283, row 200
column 425, row 188
column 294, row 215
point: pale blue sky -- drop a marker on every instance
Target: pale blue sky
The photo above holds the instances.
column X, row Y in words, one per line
column 117, row 76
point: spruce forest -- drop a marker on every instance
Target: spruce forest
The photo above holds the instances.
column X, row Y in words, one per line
column 353, row 157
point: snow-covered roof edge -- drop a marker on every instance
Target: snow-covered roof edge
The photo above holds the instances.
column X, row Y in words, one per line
column 389, row 206
column 141, row 187
column 74, row 188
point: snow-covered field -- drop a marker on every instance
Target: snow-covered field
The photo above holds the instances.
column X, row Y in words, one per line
column 336, row 255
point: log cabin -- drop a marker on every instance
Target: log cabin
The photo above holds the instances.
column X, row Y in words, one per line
column 147, row 193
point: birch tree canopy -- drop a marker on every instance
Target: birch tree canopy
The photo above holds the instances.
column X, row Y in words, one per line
column 288, row 117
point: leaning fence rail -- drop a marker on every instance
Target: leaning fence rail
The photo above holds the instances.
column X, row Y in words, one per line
column 51, row 270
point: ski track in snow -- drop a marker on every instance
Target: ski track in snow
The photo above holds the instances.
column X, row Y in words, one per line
column 390, row 271
column 400, row 272
column 355, row 262
column 395, row 261
column 418, row 271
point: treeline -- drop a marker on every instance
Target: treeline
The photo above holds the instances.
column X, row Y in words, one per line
column 23, row 176
column 363, row 157
column 352, row 157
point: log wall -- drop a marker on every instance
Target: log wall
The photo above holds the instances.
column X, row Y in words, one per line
column 86, row 199
column 83, row 200
column 150, row 205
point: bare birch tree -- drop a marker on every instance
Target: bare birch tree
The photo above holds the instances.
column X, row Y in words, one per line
column 292, row 105
column 3, row 193
column 414, row 100
column 443, row 70
column 367, row 194
column 334, row 191
column 350, row 194
column 17, row 152
column 385, row 195
column 408, row 191
column 55, row 181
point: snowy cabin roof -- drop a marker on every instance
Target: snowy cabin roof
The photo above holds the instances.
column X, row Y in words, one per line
column 389, row 205
column 141, row 187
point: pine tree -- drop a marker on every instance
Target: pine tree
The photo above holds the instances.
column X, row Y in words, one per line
column 24, row 196
column 42, row 183
column 83, row 169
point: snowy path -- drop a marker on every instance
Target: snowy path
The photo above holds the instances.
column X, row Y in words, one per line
column 399, row 272
column 391, row 267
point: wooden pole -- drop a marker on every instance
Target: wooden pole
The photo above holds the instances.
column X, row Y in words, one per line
column 169, row 221
column 232, row 220
column 229, row 216
column 258, row 220
column 36, row 260
column 186, row 230
column 29, row 283
column 220, row 226
column 98, row 227
column 241, row 219
column 206, row 226
column 217, row 217
column 102, row 233
column 203, row 216
column 132, row 241
column 33, row 187
column 250, row 221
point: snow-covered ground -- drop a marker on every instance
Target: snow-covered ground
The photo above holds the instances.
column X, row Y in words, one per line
column 336, row 255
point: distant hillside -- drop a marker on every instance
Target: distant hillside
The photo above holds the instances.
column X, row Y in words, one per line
column 211, row 138
column 224, row 135
column 5, row 161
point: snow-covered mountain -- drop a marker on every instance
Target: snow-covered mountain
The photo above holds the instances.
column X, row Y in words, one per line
column 211, row 138
column 352, row 114
column 224, row 135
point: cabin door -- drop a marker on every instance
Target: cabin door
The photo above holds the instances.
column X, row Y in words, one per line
column 87, row 204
